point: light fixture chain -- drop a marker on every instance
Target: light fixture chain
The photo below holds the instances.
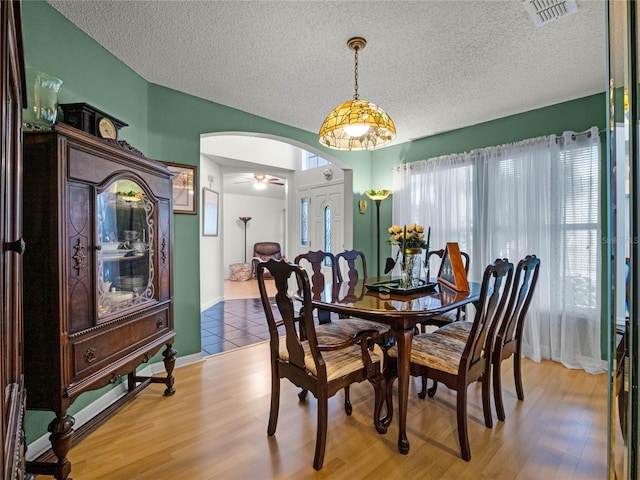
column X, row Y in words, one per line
column 356, row 96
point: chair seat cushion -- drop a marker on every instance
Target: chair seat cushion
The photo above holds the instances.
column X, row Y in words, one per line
column 457, row 330
column 439, row 352
column 342, row 329
column 339, row 363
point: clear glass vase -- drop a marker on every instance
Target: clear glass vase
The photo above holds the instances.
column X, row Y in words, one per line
column 411, row 268
column 41, row 110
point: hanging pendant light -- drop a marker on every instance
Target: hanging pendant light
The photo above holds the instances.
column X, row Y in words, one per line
column 357, row 124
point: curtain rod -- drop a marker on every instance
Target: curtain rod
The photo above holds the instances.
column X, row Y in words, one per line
column 586, row 133
column 574, row 136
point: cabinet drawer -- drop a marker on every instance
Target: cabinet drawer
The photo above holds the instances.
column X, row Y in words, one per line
column 107, row 346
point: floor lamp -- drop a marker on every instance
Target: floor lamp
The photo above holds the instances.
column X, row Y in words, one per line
column 245, row 220
column 377, row 196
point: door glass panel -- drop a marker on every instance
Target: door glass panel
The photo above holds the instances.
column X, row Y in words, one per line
column 326, row 245
column 125, row 237
column 304, row 221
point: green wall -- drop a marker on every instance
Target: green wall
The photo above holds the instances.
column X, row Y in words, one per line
column 166, row 124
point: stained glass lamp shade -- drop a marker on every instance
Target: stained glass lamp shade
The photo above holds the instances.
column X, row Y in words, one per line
column 357, row 124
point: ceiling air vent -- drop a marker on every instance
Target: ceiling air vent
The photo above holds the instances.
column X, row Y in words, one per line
column 545, row 11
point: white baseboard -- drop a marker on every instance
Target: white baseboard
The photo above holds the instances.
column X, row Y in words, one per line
column 210, row 304
column 42, row 444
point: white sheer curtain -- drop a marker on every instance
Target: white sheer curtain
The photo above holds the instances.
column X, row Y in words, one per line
column 539, row 196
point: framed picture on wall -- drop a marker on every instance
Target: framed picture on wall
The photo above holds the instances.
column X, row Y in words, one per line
column 210, row 208
column 185, row 198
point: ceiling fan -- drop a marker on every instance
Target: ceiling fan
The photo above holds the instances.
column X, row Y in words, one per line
column 261, row 180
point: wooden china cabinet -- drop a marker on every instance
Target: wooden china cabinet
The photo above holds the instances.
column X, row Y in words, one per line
column 98, row 283
column 11, row 367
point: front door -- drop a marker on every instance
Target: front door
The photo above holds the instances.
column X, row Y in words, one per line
column 325, row 220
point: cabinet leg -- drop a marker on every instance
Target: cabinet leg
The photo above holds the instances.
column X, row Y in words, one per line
column 61, row 429
column 169, row 362
column 131, row 381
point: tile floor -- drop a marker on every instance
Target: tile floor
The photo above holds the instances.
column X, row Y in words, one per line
column 237, row 321
column 231, row 324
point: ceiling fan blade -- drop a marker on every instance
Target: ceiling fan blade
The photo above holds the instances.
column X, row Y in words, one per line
column 274, row 182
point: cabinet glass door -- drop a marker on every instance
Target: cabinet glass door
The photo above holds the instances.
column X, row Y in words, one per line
column 125, row 240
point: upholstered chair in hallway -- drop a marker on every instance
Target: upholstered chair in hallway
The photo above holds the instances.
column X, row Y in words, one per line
column 263, row 251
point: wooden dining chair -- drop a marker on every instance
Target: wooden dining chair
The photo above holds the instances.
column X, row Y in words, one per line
column 317, row 260
column 446, row 317
column 311, row 363
column 455, row 363
column 506, row 335
column 345, row 328
column 348, row 261
column 508, row 340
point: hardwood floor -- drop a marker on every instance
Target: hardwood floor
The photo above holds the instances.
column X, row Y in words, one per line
column 248, row 289
column 215, row 428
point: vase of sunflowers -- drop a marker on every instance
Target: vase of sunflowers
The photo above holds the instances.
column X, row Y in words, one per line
column 411, row 241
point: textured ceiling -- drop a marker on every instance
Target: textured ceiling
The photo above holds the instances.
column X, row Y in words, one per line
column 433, row 66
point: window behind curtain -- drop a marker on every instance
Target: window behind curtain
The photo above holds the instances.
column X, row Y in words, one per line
column 438, row 193
column 521, row 196
column 538, row 196
column 578, row 222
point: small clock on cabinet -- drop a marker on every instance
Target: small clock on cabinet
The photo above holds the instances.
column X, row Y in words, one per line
column 107, row 129
column 91, row 120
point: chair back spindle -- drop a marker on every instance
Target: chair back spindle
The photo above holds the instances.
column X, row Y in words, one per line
column 316, row 260
column 350, row 257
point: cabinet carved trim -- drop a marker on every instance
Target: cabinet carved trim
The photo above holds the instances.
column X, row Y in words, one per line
column 163, row 250
column 117, row 321
column 114, row 302
column 80, row 256
column 90, row 355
